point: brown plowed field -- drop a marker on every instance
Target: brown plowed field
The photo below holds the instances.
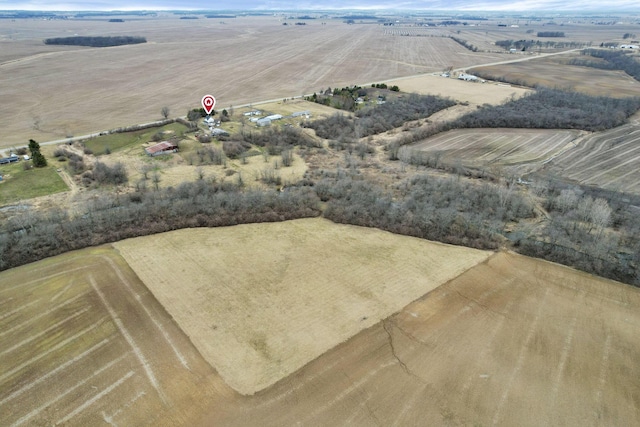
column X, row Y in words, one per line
column 83, row 342
column 608, row 159
column 554, row 72
column 511, row 341
column 482, row 147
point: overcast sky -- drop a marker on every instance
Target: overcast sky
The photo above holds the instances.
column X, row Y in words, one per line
column 477, row 5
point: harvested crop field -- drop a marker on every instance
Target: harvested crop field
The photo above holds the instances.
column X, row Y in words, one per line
column 608, row 159
column 260, row 301
column 250, row 58
column 461, row 91
column 484, row 147
column 83, row 342
column 554, row 72
column 511, row 341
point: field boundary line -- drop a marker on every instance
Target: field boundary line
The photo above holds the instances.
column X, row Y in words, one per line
column 348, row 391
column 36, row 411
column 136, row 350
column 109, row 418
column 55, row 325
column 95, row 398
column 19, row 309
column 52, row 349
column 56, row 296
column 566, row 347
column 55, row 371
column 163, row 331
column 520, row 361
column 488, row 344
column 30, row 282
column 44, row 313
column 295, row 388
column 409, row 405
column 602, row 377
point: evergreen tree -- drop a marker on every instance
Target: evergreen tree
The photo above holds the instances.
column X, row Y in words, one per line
column 37, row 157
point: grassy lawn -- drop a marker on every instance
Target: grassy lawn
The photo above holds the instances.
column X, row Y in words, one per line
column 120, row 141
column 19, row 184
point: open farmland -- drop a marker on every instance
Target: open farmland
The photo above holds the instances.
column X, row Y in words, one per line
column 553, row 72
column 279, row 295
column 511, row 341
column 246, row 59
column 485, row 147
column 608, row 159
column 461, row 91
column 83, row 342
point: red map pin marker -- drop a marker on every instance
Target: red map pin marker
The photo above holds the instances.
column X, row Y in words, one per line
column 208, row 102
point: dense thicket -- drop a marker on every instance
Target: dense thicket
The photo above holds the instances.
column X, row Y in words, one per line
column 578, row 233
column 380, row 118
column 277, row 139
column 97, row 41
column 109, row 218
column 444, row 209
column 611, row 60
column 553, row 109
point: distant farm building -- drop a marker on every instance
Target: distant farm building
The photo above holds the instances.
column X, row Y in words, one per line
column 629, row 46
column 301, row 113
column 164, row 147
column 266, row 121
column 11, row 159
column 468, row 77
column 253, row 113
column 219, row 132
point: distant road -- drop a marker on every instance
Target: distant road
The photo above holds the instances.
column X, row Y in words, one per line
column 524, row 58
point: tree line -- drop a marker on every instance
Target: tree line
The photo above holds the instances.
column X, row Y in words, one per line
column 553, row 109
column 380, row 118
column 611, row 60
column 111, row 217
column 95, row 41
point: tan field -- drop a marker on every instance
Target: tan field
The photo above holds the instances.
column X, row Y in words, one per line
column 511, row 341
column 279, row 295
column 51, row 93
column 461, row 91
column 554, row 72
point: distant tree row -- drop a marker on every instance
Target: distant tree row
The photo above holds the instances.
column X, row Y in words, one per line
column 553, row 109
column 550, row 34
column 465, row 43
column 530, row 44
column 611, row 60
column 95, row 41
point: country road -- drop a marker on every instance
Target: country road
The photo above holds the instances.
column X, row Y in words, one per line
column 525, row 58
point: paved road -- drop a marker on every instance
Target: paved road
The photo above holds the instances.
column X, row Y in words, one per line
column 509, row 61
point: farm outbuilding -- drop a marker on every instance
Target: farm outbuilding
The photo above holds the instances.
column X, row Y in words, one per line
column 467, row 77
column 11, row 159
column 164, row 147
column 219, row 132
